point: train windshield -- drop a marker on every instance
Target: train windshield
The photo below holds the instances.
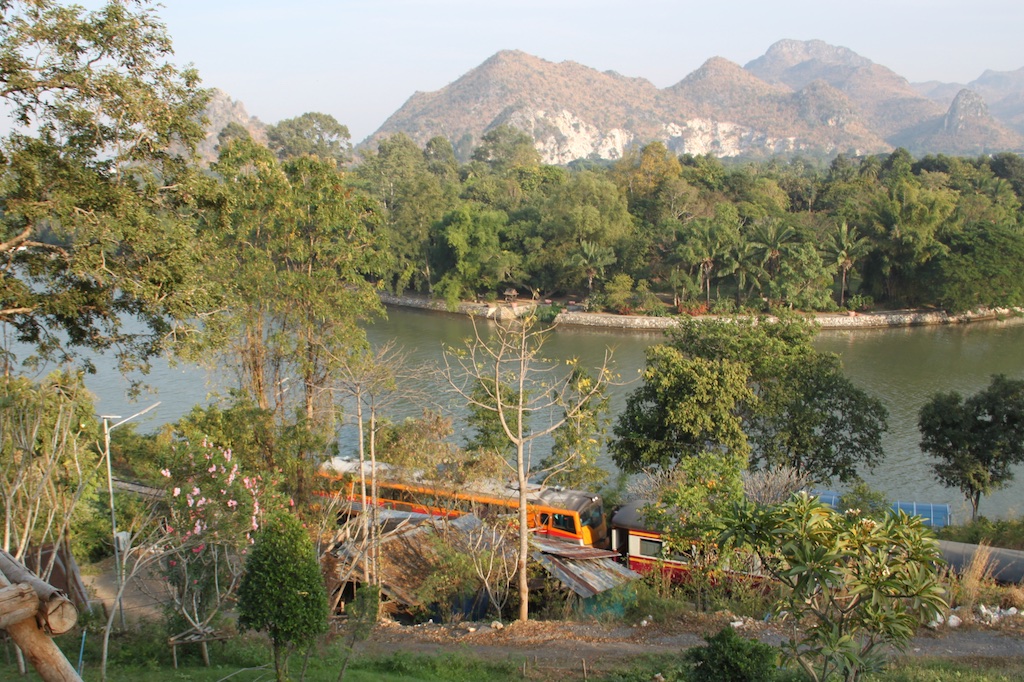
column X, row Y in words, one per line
column 592, row 515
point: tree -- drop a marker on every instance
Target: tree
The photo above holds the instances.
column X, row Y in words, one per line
column 856, row 585
column 507, row 376
column 311, row 134
column 761, row 378
column 48, row 462
column 980, row 269
column 685, row 406
column 282, row 591
column 469, row 254
column 212, row 508
column 591, row 259
column 293, row 252
column 976, row 440
column 505, row 148
column 98, row 175
column 412, row 199
column 845, row 247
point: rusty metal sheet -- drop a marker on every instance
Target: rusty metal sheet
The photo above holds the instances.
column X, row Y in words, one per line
column 586, row 577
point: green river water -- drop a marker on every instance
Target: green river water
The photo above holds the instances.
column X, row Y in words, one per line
column 902, row 367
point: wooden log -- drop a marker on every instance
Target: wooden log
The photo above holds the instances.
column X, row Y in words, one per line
column 17, row 603
column 56, row 612
column 47, row 659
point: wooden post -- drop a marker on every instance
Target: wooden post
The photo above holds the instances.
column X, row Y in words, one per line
column 47, row 659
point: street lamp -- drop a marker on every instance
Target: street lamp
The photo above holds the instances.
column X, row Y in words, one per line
column 107, row 428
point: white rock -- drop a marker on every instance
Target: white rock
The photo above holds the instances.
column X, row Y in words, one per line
column 953, row 621
column 496, row 625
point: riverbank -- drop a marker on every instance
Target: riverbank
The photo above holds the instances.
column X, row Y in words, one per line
column 578, row 318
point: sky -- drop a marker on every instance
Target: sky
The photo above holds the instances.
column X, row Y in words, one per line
column 360, row 60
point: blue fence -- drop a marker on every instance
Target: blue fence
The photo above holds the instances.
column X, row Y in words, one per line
column 935, row 515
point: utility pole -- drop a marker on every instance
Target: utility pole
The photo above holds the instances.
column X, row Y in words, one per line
column 107, row 428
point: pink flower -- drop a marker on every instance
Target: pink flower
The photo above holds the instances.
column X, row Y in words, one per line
column 212, row 469
column 177, row 491
column 166, row 473
column 232, row 503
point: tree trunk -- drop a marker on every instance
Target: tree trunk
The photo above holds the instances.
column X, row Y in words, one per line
column 524, row 535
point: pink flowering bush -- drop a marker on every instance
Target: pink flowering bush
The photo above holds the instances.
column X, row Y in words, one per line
column 214, row 509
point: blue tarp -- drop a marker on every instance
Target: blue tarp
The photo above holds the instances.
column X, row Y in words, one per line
column 935, row 515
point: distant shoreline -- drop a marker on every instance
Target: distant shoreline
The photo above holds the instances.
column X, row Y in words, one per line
column 577, row 318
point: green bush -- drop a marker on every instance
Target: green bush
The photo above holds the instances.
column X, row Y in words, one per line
column 282, row 591
column 731, row 658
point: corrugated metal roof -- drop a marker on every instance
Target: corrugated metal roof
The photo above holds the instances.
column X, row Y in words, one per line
column 584, row 570
column 406, row 555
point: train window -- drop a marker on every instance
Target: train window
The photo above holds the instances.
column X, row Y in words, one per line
column 563, row 522
column 650, row 547
column 592, row 516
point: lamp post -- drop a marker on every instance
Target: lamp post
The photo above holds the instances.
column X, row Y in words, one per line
column 107, row 428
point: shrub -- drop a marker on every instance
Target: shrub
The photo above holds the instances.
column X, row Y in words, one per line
column 859, row 585
column 282, row 591
column 731, row 658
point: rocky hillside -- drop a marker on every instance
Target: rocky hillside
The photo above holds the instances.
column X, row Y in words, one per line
column 220, row 111
column 804, row 97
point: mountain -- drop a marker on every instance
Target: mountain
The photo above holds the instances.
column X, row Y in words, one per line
column 800, row 97
column 219, row 112
column 1002, row 90
column 967, row 128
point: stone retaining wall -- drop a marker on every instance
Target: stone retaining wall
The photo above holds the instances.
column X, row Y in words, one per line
column 898, row 318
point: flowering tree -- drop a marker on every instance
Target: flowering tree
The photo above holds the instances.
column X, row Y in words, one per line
column 214, row 509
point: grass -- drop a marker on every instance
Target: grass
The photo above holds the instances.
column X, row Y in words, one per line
column 144, row 655
column 245, row 660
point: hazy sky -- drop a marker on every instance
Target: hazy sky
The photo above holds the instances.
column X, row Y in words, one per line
column 360, row 60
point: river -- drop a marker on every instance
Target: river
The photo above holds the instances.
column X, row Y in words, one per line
column 902, row 367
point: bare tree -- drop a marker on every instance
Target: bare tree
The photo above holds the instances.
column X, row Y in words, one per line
column 504, row 375
column 375, row 381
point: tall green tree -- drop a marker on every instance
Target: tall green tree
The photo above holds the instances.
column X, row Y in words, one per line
column 282, row 591
column 844, row 247
column 469, row 254
column 294, row 252
column 686, row 406
column 311, row 134
column 97, row 179
column 412, row 198
column 976, row 441
column 793, row 405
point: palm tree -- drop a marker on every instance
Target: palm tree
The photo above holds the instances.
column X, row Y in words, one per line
column 845, row 248
column 592, row 258
column 742, row 264
column 769, row 241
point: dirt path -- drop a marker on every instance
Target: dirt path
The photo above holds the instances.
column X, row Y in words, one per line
column 558, row 650
column 141, row 600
